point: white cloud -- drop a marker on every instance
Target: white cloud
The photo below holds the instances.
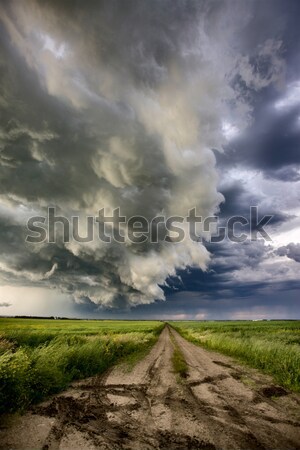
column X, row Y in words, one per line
column 229, row 130
column 291, row 97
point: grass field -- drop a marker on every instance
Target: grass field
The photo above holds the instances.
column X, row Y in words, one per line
column 271, row 346
column 41, row 357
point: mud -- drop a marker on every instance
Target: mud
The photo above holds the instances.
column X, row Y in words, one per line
column 219, row 405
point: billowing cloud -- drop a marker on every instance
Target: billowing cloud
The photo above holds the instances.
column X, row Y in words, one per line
column 107, row 105
column 291, row 250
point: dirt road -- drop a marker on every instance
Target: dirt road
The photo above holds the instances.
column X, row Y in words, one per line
column 219, row 405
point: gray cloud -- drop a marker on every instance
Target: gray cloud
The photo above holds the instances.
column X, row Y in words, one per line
column 271, row 144
column 111, row 106
column 291, row 250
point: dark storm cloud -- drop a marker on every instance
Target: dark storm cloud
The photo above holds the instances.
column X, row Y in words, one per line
column 224, row 289
column 118, row 104
column 196, row 305
column 269, row 147
column 76, row 134
column 228, row 257
column 272, row 145
column 238, row 201
column 39, row 136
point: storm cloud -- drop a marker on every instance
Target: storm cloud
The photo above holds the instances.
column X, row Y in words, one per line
column 143, row 106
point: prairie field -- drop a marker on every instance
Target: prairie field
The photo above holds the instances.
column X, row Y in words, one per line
column 39, row 357
column 270, row 346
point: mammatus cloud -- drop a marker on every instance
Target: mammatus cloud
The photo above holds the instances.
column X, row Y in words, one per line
column 108, row 106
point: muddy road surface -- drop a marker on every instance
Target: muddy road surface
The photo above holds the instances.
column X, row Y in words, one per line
column 218, row 405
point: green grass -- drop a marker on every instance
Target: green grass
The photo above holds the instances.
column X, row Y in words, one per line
column 41, row 357
column 178, row 361
column 33, row 332
column 271, row 346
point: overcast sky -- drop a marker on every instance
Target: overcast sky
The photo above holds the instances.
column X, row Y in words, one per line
column 155, row 107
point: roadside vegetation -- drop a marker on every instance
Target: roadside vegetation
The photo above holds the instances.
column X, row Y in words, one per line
column 41, row 357
column 178, row 361
column 271, row 346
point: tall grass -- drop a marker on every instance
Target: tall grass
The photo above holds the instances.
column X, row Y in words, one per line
column 38, row 363
column 272, row 347
column 178, row 361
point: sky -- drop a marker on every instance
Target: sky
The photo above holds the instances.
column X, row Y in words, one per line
column 154, row 107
